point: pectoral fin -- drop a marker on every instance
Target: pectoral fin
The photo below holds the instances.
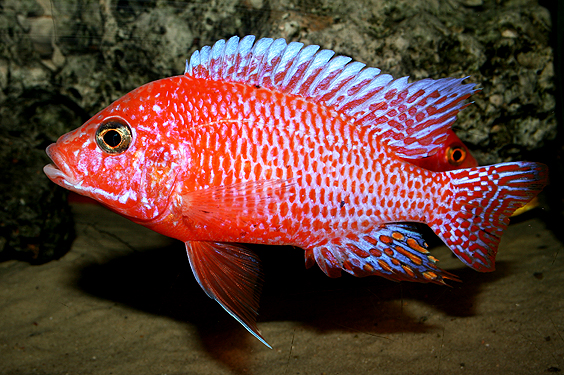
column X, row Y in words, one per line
column 235, row 203
column 229, row 274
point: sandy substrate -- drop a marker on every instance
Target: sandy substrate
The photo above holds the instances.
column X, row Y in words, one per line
column 124, row 301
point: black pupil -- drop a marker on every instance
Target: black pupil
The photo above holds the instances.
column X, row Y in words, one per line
column 457, row 155
column 112, row 138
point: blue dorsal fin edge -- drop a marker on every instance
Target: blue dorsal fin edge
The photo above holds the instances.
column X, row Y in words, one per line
column 411, row 118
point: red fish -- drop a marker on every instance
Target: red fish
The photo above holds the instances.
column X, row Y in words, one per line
column 453, row 154
column 278, row 143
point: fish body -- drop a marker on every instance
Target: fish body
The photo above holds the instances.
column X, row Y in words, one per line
column 281, row 144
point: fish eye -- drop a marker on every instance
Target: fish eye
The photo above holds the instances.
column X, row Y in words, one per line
column 456, row 155
column 113, row 136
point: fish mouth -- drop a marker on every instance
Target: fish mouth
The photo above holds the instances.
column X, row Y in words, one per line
column 59, row 171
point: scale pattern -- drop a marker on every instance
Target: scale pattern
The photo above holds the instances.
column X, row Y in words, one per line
column 345, row 180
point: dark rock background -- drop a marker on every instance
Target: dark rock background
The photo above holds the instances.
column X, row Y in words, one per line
column 61, row 61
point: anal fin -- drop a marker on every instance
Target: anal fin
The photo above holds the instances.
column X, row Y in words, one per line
column 229, row 274
column 395, row 251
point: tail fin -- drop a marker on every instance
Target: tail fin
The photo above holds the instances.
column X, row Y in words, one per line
column 484, row 198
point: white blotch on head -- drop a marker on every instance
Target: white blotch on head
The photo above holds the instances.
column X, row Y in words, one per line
column 157, row 109
column 82, row 167
column 128, row 195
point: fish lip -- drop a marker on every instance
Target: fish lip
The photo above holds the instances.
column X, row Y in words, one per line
column 59, row 171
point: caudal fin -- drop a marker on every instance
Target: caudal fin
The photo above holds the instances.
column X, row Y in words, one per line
column 484, row 199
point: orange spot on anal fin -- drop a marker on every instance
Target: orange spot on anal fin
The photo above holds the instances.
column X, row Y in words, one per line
column 395, row 251
column 229, row 274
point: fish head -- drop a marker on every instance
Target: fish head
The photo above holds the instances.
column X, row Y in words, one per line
column 127, row 156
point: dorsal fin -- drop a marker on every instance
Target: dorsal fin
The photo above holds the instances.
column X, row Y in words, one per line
column 412, row 118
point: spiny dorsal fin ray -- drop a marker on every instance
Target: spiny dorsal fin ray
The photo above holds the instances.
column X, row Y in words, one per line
column 411, row 118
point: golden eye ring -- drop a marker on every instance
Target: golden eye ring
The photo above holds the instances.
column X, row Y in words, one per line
column 456, row 155
column 114, row 136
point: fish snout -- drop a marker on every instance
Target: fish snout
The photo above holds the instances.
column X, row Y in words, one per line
column 59, row 171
